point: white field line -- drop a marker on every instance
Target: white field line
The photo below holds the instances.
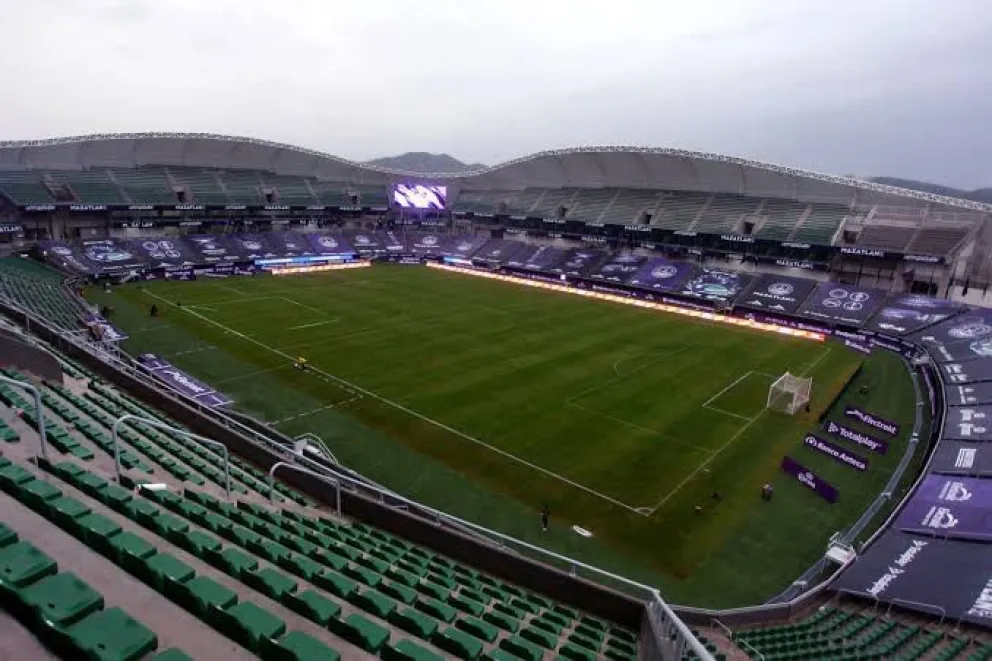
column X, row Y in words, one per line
column 723, row 412
column 222, row 285
column 642, row 366
column 305, row 307
column 719, row 450
column 633, row 425
column 316, row 410
column 189, row 351
column 315, row 323
column 203, row 307
column 400, row 407
column 717, row 396
column 248, row 375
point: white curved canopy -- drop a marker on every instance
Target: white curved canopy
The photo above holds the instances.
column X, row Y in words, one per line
column 615, row 166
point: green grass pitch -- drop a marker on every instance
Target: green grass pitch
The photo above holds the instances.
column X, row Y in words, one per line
column 489, row 400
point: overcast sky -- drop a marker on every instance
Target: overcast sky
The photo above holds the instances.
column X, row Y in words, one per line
column 865, row 87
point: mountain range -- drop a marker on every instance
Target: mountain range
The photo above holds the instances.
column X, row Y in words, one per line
column 419, row 161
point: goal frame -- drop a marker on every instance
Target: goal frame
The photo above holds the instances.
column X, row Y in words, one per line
column 789, row 393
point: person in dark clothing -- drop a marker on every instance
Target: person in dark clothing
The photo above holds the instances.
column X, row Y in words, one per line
column 545, row 518
column 153, row 311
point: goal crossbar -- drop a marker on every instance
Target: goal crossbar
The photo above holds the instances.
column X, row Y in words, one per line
column 789, row 393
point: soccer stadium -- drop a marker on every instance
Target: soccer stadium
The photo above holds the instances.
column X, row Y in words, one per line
column 260, row 401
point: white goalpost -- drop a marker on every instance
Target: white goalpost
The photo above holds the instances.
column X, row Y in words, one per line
column 789, row 393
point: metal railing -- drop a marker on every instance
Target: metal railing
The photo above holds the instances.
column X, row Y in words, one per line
column 305, row 471
column 115, row 433
column 676, row 630
column 318, row 442
column 39, row 411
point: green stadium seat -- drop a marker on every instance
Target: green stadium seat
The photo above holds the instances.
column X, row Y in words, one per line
column 312, row 605
column 374, row 602
column 576, row 653
column 112, row 635
column 521, row 648
column 399, row 592
column 62, row 599
column 164, row 569
column 248, row 624
column 131, row 551
column 96, row 531
column 171, row 654
column 478, row 628
column 362, row 632
column 502, row 620
column 233, row 562
column 539, row 637
column 467, row 605
column 407, row 650
column 201, row 594
column 38, row 495
column 335, row 583
column 436, row 609
column 296, row 646
column 270, row 582
column 22, row 564
column 459, row 643
column 7, row 536
column 418, row 624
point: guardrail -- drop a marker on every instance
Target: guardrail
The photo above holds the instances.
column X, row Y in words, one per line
column 676, row 635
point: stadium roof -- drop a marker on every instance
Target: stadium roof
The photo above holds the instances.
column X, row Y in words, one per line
column 620, row 166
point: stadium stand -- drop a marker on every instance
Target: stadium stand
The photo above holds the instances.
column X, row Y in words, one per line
column 820, row 224
column 289, row 190
column 780, row 218
column 554, row 200
column 678, row 211
column 281, row 579
column 242, row 186
column 630, row 205
column 725, row 212
column 202, row 184
column 329, row 192
column 25, row 187
column 146, row 185
column 373, row 196
column 89, row 186
column 887, row 237
column 937, row 240
column 525, row 202
column 592, row 205
column 854, row 632
column 35, row 287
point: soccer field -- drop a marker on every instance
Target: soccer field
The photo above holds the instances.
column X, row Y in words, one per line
column 490, row 400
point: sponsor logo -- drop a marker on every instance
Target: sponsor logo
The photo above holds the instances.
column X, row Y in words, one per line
column 862, row 252
column 940, row 518
column 983, row 604
column 795, row 264
column 835, row 451
column 780, row 289
column 736, row 238
column 853, row 435
column 971, row 330
column 954, row 492
column 664, row 272
column 872, row 421
column 181, row 379
column 923, row 259
column 800, row 246
column 897, row 568
column 965, row 458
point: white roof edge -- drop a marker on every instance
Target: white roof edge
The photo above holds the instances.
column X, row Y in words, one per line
column 852, row 182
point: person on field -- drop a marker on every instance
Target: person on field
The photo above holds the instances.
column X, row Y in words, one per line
column 545, row 518
column 301, row 363
column 153, row 311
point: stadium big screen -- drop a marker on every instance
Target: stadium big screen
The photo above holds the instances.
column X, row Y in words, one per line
column 420, row 196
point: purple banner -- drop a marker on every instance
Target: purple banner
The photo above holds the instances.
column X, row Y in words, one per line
column 836, row 452
column 950, row 506
column 840, row 431
column 858, row 346
column 716, row 284
column 662, row 274
column 164, row 251
column 845, row 304
column 776, row 293
column 181, row 382
column 464, row 246
column 905, row 313
column 889, row 427
column 619, row 268
column 809, row 479
column 330, row 244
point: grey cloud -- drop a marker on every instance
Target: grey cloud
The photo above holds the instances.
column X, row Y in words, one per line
column 889, row 87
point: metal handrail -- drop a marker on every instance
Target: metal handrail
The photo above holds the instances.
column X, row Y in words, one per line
column 313, row 439
column 115, row 431
column 39, row 411
column 306, row 471
column 653, row 597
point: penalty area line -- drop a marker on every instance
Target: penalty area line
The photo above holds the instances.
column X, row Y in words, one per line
column 420, row 416
column 650, row 511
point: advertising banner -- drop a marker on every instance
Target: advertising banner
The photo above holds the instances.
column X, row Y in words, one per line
column 927, row 574
column 661, row 274
column 463, row 246
column 836, row 452
column 962, row 458
column 289, row 244
column 854, row 436
column 967, row 395
column 844, row 304
column 905, row 313
column 887, row 426
column 968, row 423
column 581, row 261
column 715, row 284
column 809, row 479
column 499, row 250
column 619, row 268
column 253, row 246
column 164, row 251
column 545, row 258
column 329, row 244
column 776, row 293
column 954, row 507
column 213, row 247
column 970, row 371
column 181, row 382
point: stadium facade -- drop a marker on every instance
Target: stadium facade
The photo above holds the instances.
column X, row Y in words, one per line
column 109, row 192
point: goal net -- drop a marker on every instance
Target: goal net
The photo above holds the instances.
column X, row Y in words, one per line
column 789, row 393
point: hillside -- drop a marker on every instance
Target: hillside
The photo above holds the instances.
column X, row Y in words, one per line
column 977, row 195
column 420, row 161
